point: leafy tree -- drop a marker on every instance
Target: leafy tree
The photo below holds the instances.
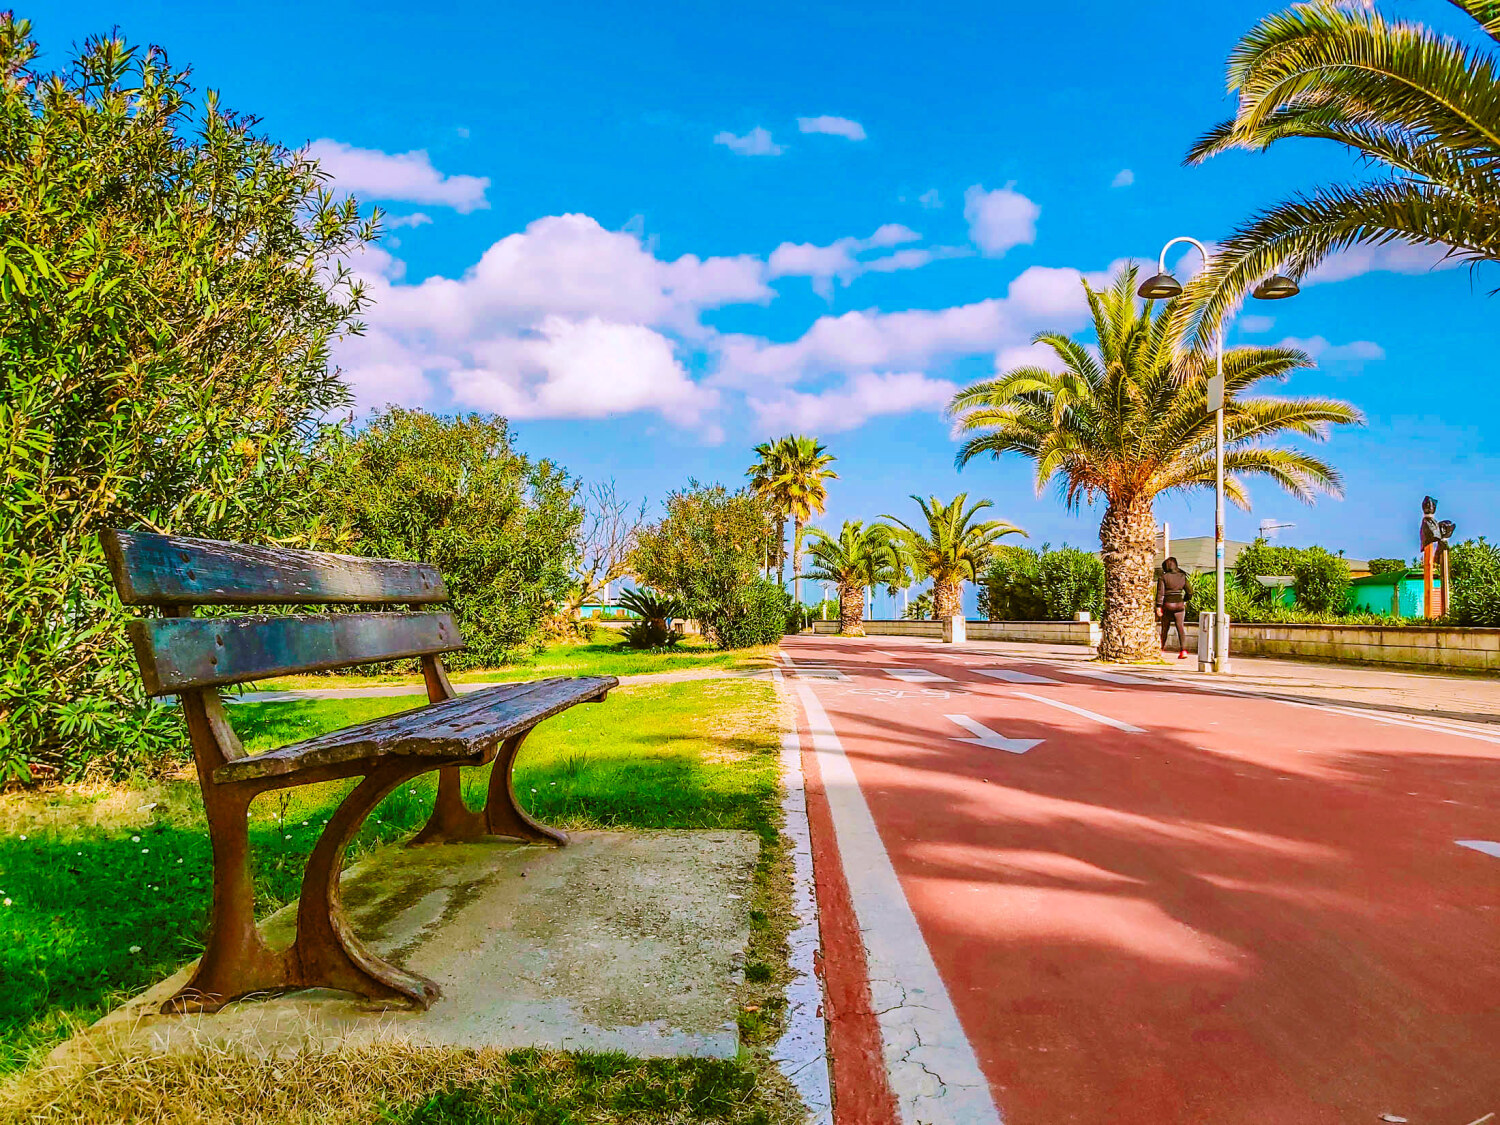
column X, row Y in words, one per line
column 860, row 556
column 1130, row 423
column 453, row 492
column 953, row 549
column 169, row 286
column 1422, row 111
column 791, row 475
column 1264, row 559
column 1389, row 566
column 707, row 552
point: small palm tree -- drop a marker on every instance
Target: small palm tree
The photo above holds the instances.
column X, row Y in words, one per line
column 791, row 474
column 1130, row 423
column 860, row 556
column 954, row 548
column 1422, row 111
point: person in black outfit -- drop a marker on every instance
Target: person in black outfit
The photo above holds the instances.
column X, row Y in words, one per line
column 1171, row 603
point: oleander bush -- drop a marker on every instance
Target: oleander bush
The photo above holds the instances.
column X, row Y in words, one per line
column 1475, row 569
column 1022, row 584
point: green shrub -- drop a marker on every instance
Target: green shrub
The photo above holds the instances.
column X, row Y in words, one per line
column 169, row 285
column 1262, row 559
column 1202, row 598
column 1072, row 582
column 654, row 629
column 758, row 617
column 1389, row 566
column 1474, row 568
column 1022, row 584
column 1322, row 581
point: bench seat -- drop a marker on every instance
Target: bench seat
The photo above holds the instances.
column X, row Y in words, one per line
column 465, row 730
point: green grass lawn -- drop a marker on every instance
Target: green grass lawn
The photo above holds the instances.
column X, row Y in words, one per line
column 106, row 890
column 605, row 655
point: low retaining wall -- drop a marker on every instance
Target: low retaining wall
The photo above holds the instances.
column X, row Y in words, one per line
column 1037, row 632
column 1472, row 650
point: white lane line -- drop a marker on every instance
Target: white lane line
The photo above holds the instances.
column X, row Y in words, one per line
column 1100, row 674
column 802, row 1051
column 1413, row 722
column 917, row 676
column 920, row 1035
column 990, row 739
column 1105, row 719
column 1011, row 676
column 1488, row 847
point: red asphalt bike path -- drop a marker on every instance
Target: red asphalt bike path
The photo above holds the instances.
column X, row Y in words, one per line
column 1249, row 911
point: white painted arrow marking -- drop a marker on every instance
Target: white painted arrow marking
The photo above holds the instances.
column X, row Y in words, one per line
column 917, row 676
column 1488, row 847
column 989, row 739
column 1011, row 676
column 1105, row 719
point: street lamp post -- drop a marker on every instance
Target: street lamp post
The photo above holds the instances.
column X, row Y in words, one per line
column 1165, row 286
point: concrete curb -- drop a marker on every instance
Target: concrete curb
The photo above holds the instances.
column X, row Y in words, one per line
column 802, row 1052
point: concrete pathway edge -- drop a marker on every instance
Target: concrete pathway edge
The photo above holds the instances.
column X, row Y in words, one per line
column 802, row 1052
column 932, row 1067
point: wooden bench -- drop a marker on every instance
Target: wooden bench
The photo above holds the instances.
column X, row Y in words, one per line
column 193, row 657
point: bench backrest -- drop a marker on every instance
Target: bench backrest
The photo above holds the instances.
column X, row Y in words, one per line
column 180, row 652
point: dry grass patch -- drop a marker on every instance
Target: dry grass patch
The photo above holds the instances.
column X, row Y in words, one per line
column 397, row 1084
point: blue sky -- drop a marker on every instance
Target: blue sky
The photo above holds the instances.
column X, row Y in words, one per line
column 654, row 234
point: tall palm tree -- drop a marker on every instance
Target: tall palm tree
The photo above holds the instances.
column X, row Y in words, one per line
column 1422, row 110
column 764, row 475
column 953, row 549
column 791, row 475
column 1130, row 423
column 804, row 491
column 860, row 556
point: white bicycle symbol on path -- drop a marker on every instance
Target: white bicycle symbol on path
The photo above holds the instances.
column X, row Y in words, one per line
column 893, row 694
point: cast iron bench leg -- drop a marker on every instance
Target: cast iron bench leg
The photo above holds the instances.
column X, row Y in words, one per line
column 453, row 821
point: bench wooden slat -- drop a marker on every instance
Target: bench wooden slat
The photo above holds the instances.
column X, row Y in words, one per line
column 176, row 653
column 174, row 570
column 466, row 729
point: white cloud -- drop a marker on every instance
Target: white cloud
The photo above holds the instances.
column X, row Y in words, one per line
column 833, row 126
column 1253, row 323
column 416, row 219
column 533, row 323
column 852, row 403
column 757, row 142
column 1347, row 357
column 999, row 219
column 1394, row 257
column 1123, row 178
column 406, row 176
column 838, row 260
column 930, row 199
column 581, row 369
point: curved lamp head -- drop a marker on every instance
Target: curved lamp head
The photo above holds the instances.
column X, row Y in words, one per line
column 1161, row 287
column 1276, row 288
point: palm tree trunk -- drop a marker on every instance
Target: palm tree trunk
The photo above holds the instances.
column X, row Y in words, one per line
column 852, row 610
column 797, row 561
column 781, row 551
column 947, row 600
column 1127, row 537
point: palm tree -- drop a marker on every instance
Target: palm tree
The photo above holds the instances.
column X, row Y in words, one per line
column 953, row 549
column 791, row 475
column 861, row 556
column 1131, row 423
column 1420, row 109
column 764, row 475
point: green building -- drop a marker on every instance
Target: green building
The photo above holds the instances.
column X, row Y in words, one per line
column 1398, row 592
